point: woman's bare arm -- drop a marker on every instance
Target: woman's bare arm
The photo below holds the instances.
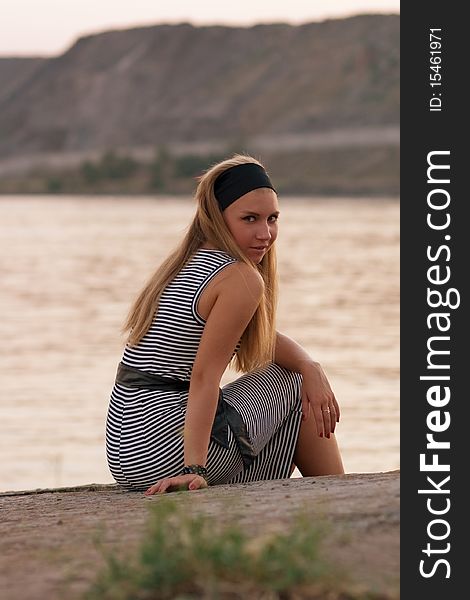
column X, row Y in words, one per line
column 238, row 291
column 238, row 295
column 290, row 355
column 316, row 390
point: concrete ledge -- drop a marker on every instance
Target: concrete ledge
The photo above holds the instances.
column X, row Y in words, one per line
column 47, row 534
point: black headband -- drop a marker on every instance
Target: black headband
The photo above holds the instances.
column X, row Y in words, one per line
column 238, row 181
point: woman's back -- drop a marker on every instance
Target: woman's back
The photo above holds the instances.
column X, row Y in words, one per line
column 170, row 346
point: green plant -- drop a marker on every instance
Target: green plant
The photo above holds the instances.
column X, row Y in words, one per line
column 191, row 165
column 54, row 185
column 186, row 555
column 113, row 166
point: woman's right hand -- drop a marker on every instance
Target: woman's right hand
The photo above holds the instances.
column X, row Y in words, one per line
column 190, row 482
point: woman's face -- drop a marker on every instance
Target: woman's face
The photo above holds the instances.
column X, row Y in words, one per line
column 252, row 221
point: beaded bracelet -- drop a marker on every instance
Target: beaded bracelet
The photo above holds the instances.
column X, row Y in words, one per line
column 196, row 470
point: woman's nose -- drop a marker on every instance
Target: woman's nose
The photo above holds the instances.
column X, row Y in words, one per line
column 263, row 232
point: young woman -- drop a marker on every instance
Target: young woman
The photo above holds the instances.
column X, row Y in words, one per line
column 213, row 301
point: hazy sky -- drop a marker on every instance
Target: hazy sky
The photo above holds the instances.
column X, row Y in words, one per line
column 48, row 27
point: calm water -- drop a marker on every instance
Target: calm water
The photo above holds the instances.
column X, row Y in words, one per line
column 71, row 266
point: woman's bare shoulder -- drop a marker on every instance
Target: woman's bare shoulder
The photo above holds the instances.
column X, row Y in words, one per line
column 240, row 274
column 230, row 280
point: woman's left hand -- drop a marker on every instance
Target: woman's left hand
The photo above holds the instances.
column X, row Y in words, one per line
column 317, row 394
column 189, row 481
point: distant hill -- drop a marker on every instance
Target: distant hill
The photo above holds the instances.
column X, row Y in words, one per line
column 14, row 71
column 202, row 87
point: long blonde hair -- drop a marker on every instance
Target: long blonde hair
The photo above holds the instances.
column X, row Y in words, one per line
column 208, row 226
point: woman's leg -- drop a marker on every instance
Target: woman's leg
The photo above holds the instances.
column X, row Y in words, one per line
column 315, row 455
column 270, row 404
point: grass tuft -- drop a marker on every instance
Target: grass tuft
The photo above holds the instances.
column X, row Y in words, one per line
column 185, row 556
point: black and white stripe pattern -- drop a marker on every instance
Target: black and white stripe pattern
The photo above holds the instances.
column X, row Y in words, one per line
column 144, row 429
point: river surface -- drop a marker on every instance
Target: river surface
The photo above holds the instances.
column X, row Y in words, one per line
column 70, row 266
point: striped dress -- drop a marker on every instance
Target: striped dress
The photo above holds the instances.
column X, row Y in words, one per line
column 144, row 428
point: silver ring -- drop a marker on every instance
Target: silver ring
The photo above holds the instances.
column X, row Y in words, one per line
column 326, row 410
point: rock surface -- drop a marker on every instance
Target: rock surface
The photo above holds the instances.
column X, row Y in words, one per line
column 48, row 536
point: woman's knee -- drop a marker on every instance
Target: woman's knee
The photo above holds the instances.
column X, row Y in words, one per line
column 292, row 381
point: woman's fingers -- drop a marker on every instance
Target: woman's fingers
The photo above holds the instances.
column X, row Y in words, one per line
column 163, row 485
column 326, row 417
column 317, row 413
column 192, row 482
column 336, row 405
column 326, row 421
column 194, row 485
column 197, row 483
column 153, row 489
column 333, row 418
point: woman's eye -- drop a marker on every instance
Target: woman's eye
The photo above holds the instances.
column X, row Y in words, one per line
column 251, row 218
